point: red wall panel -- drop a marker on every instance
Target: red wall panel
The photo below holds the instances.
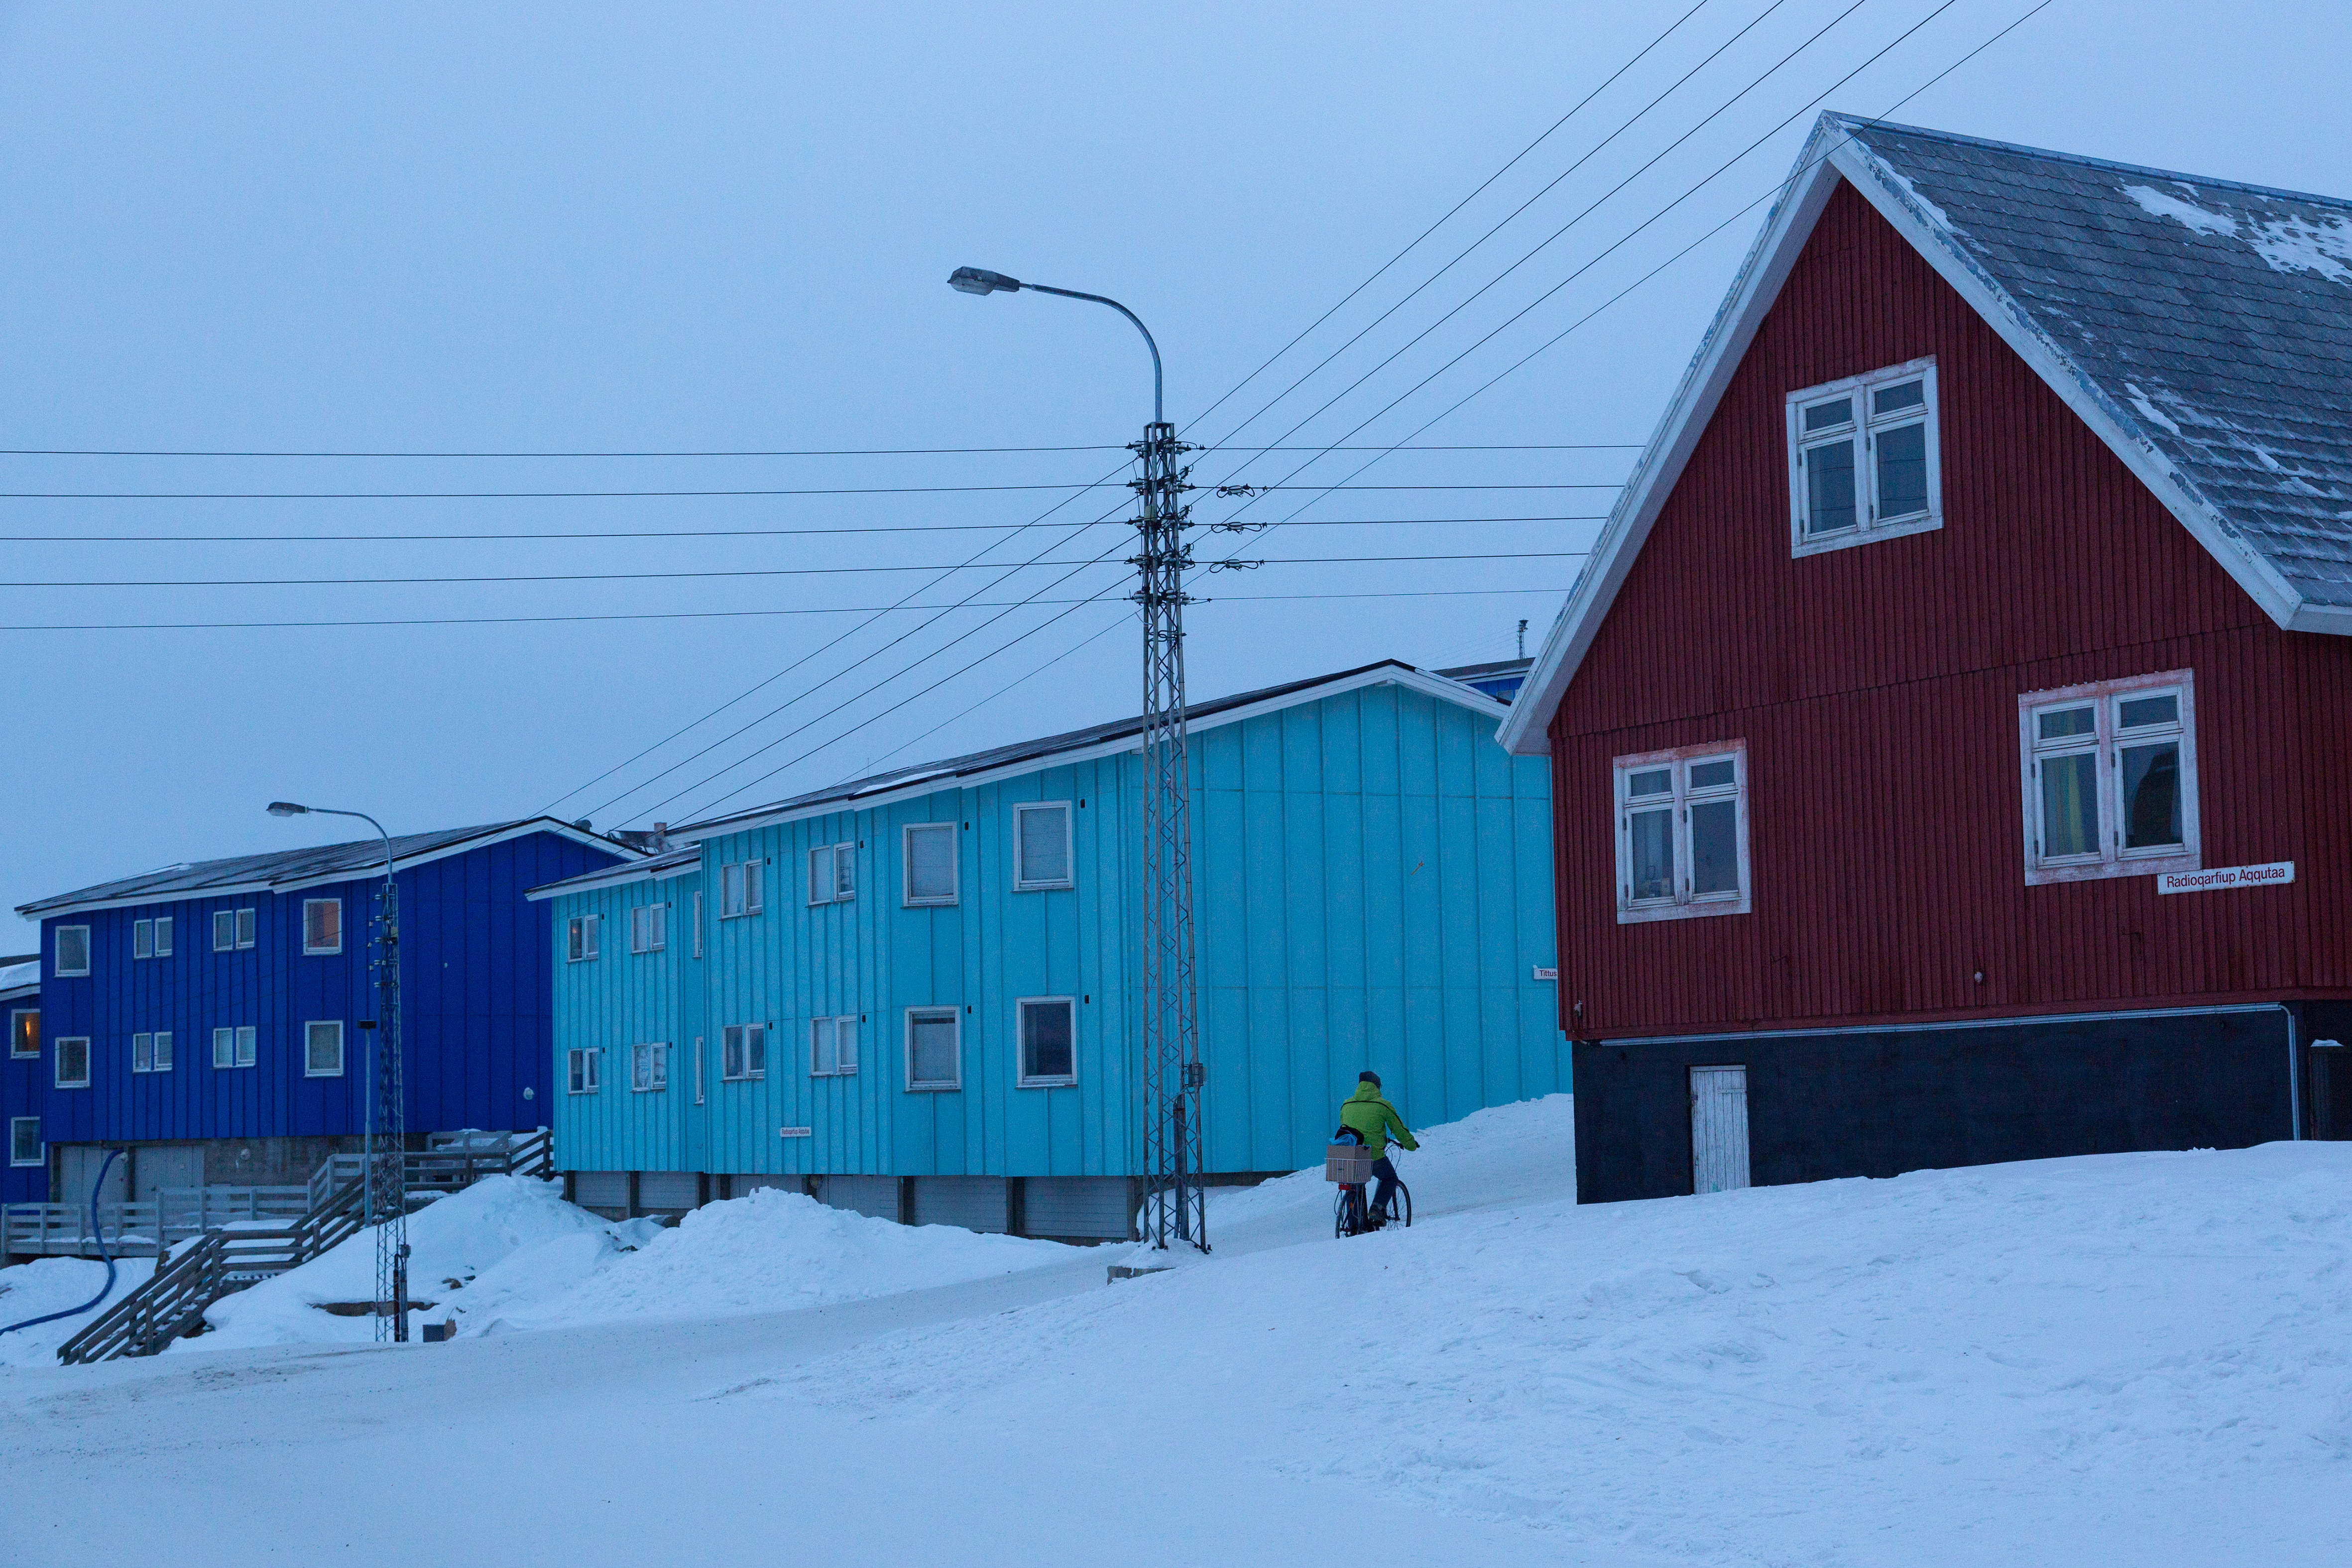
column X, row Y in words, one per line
column 1877, row 687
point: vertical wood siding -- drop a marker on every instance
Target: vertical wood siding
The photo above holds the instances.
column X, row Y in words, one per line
column 1372, row 888
column 476, row 1024
column 1877, row 689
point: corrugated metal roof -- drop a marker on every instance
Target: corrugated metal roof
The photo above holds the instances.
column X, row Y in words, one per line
column 293, row 866
column 1014, row 755
column 2215, row 317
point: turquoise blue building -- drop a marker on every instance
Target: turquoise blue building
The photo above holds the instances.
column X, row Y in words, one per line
column 912, row 994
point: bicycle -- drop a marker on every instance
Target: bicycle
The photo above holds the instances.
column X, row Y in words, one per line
column 1349, row 1165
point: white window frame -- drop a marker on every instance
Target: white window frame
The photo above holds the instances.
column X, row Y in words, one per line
column 163, row 925
column 1025, row 1079
column 1681, row 904
column 321, row 950
column 1860, row 431
column 580, row 939
column 697, row 1061
column 582, row 1070
column 736, row 1050
column 650, row 928
column 933, row 1086
column 162, row 1049
column 826, row 1060
column 40, row 1155
column 58, row 1066
column 2104, row 698
column 151, row 1051
column 243, row 1041
column 1022, row 881
column 249, row 926
column 16, row 1051
column 650, row 1068
column 742, row 892
column 57, row 954
column 906, row 867
column 697, row 930
column 833, row 873
column 310, row 1068
column 142, row 939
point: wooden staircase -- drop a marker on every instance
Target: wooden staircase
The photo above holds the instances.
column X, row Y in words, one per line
column 172, row 1302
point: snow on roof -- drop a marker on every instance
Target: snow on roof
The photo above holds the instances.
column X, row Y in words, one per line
column 17, row 974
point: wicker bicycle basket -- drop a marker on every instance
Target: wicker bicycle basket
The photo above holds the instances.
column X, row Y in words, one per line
column 1348, row 1163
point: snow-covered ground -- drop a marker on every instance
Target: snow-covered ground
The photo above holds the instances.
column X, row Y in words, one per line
column 2141, row 1358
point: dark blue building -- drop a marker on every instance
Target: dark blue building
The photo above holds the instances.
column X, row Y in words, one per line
column 25, row 1177
column 208, row 1015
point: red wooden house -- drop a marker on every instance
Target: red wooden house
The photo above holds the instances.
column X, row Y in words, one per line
column 1950, row 730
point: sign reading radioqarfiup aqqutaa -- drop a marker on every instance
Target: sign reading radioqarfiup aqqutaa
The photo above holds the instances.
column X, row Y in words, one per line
column 2277, row 874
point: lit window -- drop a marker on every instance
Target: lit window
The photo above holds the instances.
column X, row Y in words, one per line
column 73, row 1062
column 648, row 1069
column 930, row 859
column 1862, row 461
column 24, row 1032
column 581, row 1068
column 743, row 1052
column 934, row 1048
column 72, row 951
column 833, row 1046
column 323, row 925
column 322, row 1048
column 833, row 873
column 648, row 928
column 580, row 939
column 1682, row 832
column 24, row 1145
column 2110, row 778
column 1048, row 1050
column 740, row 890
column 1041, row 844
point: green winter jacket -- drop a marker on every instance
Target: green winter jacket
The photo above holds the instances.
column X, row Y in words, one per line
column 1375, row 1118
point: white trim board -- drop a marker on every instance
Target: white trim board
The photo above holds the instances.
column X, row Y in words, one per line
column 1753, row 292
column 619, row 876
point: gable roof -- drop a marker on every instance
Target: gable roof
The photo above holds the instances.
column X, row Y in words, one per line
column 683, row 860
column 1076, row 745
column 2201, row 328
column 285, row 871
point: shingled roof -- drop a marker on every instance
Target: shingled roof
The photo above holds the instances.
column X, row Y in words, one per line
column 2201, row 327
column 288, row 868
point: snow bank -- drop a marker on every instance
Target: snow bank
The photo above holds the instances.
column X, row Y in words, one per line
column 49, row 1285
column 769, row 1251
column 2073, row 1359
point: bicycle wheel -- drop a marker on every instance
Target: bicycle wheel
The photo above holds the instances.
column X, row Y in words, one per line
column 1400, row 1207
column 1339, row 1214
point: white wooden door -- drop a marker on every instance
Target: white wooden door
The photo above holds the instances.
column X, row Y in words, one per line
column 156, row 1166
column 78, row 1168
column 1718, row 1129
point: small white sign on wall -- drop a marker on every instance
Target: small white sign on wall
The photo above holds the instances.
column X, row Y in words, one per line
column 794, row 1131
column 1543, row 973
column 2278, row 873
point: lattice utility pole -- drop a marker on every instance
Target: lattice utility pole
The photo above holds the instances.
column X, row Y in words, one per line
column 1175, row 1204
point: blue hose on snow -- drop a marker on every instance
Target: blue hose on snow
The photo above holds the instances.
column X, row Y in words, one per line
column 104, row 1256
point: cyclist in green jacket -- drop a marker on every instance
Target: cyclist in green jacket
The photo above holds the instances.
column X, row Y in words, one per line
column 1374, row 1119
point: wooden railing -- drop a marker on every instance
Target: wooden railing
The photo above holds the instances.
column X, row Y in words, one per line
column 146, row 1227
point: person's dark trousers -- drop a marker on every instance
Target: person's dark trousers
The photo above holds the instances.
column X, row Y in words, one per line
column 1386, row 1190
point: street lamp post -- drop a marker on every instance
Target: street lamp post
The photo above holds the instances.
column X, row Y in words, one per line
column 384, row 1190
column 1174, row 1201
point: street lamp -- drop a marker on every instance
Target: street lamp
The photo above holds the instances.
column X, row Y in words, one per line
column 1172, row 1061
column 384, row 1195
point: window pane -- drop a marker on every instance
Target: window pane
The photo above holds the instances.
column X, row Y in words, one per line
column 163, row 1050
column 1828, row 416
column 1652, row 780
column 244, row 923
column 844, row 1044
column 845, row 871
column 326, row 1047
column 2070, row 804
column 1712, row 776
column 142, row 939
column 73, row 949
column 142, row 1053
column 820, row 1045
column 25, row 1140
column 2139, row 712
column 2151, row 795
column 1897, row 398
column 1829, row 487
column 730, row 1052
column 820, row 875
column 164, row 936
column 249, row 1041
column 1902, row 456
column 752, row 900
column 1044, row 844
column 2064, row 722
column 731, row 891
column 1715, row 847
column 224, row 931
column 322, row 924
column 1046, row 1039
column 1653, row 848
column 931, row 1043
column 224, row 1047
column 755, row 1049
column 24, row 1034
column 931, row 863
column 575, row 1070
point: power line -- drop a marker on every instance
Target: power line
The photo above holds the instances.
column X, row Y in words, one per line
column 799, row 452
column 676, row 495
column 862, row 530
column 721, row 615
column 1379, row 271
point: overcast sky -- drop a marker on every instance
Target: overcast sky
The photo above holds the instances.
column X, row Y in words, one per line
column 707, row 228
